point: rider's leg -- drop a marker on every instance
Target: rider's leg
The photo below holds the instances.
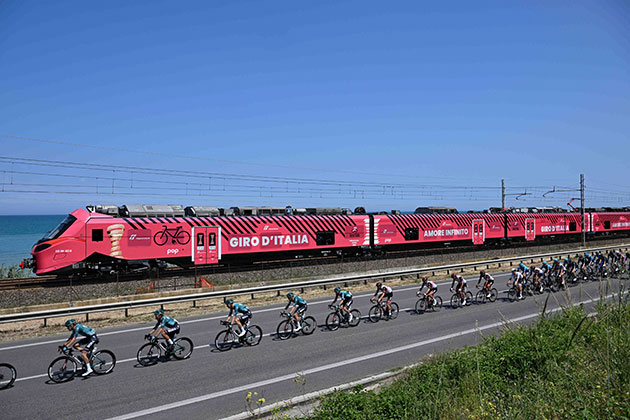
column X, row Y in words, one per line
column 165, row 336
column 240, row 326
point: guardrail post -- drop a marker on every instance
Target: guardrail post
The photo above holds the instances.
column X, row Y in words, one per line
column 345, row 284
column 194, row 303
column 278, row 293
column 162, row 306
column 302, row 290
column 433, row 273
column 499, row 265
column 44, row 322
column 87, row 317
column 448, row 272
column 324, row 286
column 461, row 270
column 365, row 282
column 252, row 296
column 126, row 312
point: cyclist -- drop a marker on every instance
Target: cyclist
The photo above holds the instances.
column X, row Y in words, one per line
column 537, row 279
column 166, row 327
column 345, row 301
column 385, row 292
column 299, row 306
column 461, row 287
column 488, row 282
column 240, row 314
column 431, row 290
column 84, row 345
column 517, row 280
column 523, row 269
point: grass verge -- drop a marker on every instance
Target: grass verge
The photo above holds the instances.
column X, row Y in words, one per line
column 568, row 366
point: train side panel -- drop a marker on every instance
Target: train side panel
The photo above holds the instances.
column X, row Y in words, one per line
column 609, row 222
column 528, row 226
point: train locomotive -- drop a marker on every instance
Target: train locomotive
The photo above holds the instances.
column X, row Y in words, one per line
column 110, row 239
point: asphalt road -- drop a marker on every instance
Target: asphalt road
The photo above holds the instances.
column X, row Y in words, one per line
column 213, row 385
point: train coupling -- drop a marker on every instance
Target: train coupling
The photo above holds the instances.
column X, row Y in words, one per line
column 27, row 263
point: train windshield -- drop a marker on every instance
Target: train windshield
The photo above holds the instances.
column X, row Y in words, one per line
column 61, row 228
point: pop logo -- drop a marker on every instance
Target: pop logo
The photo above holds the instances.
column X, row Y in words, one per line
column 173, row 251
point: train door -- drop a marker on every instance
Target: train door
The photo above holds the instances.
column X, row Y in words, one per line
column 530, row 229
column 478, row 232
column 206, row 245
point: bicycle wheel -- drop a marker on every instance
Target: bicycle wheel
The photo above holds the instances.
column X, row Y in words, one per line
column 493, row 295
column 160, row 238
column 455, row 301
column 469, row 298
column 395, row 310
column 285, row 329
column 62, row 369
column 437, row 303
column 224, row 340
column 421, row 306
column 7, row 375
column 480, row 297
column 149, row 354
column 183, row 237
column 103, row 362
column 356, row 318
column 332, row 321
column 253, row 335
column 182, row 348
column 308, row 325
column 511, row 295
column 375, row 313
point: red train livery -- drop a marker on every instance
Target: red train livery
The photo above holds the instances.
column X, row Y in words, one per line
column 127, row 238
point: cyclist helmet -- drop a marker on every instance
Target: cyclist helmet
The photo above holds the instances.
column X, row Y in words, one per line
column 514, row 270
column 158, row 312
column 378, row 285
column 290, row 295
column 454, row 275
column 482, row 273
column 229, row 301
column 70, row 322
column 424, row 279
column 337, row 289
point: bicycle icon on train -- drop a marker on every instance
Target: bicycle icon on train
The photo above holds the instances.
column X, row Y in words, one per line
column 176, row 235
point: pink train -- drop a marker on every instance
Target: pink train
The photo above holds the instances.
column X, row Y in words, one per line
column 109, row 238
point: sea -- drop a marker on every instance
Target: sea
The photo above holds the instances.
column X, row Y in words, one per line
column 18, row 234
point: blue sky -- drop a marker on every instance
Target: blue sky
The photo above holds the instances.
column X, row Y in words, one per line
column 431, row 104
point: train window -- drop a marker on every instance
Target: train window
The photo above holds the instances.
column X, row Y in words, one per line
column 476, row 228
column 61, row 228
column 326, row 237
column 607, row 224
column 411, row 234
column 97, row 235
column 572, row 226
column 481, row 228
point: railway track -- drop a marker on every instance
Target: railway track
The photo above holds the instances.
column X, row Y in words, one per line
column 11, row 284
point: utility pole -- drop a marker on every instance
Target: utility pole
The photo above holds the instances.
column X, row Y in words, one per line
column 503, row 195
column 582, row 209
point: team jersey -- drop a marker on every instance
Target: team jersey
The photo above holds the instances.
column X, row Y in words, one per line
column 387, row 290
column 523, row 267
column 298, row 301
column 166, row 321
column 517, row 277
column 488, row 277
column 239, row 308
column 83, row 330
column 431, row 285
column 345, row 295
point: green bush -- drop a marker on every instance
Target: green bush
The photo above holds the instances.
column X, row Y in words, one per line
column 568, row 366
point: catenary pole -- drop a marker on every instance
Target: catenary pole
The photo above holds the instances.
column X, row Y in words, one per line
column 582, row 209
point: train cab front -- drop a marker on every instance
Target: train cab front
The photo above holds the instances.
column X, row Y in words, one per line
column 60, row 248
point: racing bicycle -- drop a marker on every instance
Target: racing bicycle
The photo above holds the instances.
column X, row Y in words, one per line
column 7, row 375
column 151, row 352
column 338, row 316
column 227, row 338
column 287, row 327
column 424, row 304
column 456, row 299
column 486, row 295
column 379, row 310
column 64, row 368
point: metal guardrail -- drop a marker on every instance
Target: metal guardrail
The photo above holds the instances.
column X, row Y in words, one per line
column 384, row 274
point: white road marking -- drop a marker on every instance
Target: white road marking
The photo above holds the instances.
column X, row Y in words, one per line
column 322, row 368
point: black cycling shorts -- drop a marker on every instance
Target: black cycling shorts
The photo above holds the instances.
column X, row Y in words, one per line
column 171, row 331
column 88, row 343
column 301, row 309
column 347, row 302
